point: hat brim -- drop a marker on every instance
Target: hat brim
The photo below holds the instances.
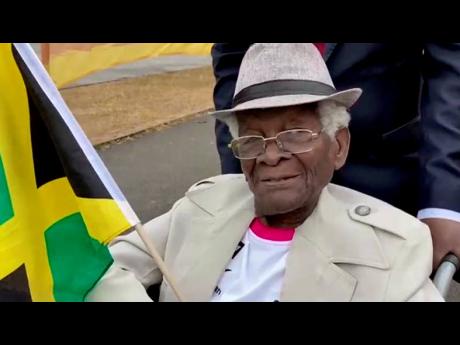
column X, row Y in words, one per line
column 346, row 98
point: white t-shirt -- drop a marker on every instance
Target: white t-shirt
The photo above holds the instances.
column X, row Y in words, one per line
column 256, row 271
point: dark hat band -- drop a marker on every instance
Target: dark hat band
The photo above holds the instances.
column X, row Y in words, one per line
column 282, row 88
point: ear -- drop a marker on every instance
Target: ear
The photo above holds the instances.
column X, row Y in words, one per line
column 342, row 144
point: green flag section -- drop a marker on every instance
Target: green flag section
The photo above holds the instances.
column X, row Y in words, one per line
column 59, row 206
column 6, row 210
column 67, row 240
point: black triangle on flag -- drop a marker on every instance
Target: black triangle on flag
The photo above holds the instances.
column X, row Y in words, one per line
column 15, row 287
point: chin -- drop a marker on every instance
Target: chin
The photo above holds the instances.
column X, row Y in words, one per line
column 274, row 205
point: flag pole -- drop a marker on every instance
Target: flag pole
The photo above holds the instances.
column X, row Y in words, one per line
column 157, row 257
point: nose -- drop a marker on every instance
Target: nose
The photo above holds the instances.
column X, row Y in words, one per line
column 273, row 154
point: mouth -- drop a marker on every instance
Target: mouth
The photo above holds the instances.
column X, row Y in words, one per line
column 278, row 180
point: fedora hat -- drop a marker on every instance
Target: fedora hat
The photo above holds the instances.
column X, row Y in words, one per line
column 282, row 74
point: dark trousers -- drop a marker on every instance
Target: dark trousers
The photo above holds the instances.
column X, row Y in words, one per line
column 228, row 163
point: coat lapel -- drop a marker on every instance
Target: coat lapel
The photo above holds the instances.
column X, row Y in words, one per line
column 221, row 236
column 325, row 240
column 311, row 276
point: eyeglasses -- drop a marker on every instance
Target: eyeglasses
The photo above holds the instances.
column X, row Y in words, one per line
column 291, row 141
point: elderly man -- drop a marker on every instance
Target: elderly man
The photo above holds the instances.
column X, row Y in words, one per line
column 281, row 231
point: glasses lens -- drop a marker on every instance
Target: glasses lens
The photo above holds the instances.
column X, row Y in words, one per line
column 248, row 147
column 296, row 141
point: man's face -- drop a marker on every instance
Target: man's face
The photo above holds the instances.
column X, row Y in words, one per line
column 283, row 182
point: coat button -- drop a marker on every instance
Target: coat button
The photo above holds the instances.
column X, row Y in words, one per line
column 362, row 210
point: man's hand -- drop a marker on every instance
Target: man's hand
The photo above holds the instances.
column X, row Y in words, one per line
column 446, row 238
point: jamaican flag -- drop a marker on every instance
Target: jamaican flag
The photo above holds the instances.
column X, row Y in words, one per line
column 59, row 206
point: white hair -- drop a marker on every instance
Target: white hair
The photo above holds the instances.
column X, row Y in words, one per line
column 332, row 115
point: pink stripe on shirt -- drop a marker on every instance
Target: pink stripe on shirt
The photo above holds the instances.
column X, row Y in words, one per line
column 269, row 233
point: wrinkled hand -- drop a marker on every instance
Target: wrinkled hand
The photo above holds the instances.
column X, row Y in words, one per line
column 446, row 238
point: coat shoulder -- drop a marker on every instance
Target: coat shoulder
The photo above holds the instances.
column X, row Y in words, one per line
column 218, row 192
column 380, row 215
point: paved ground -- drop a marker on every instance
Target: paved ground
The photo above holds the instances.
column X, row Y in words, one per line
column 156, row 169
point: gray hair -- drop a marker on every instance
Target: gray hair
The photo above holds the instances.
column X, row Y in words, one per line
column 332, row 115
